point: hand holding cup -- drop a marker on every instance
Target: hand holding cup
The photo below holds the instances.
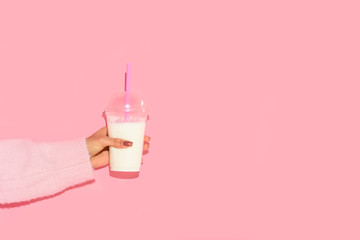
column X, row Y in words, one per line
column 98, row 147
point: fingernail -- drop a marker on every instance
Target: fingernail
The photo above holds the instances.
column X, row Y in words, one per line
column 127, row 143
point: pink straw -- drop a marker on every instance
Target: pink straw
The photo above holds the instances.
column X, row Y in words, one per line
column 127, row 90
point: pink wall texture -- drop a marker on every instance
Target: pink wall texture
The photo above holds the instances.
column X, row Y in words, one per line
column 254, row 115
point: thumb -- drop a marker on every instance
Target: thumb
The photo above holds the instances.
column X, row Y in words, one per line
column 116, row 142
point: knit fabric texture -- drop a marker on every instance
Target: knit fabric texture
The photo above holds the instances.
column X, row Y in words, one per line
column 30, row 170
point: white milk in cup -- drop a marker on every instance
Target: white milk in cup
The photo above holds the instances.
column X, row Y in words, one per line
column 126, row 117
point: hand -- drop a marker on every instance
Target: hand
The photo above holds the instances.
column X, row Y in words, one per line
column 98, row 147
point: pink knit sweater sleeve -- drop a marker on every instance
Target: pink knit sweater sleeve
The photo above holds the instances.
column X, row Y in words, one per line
column 29, row 170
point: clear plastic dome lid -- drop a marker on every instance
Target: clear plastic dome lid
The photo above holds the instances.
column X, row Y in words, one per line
column 126, row 104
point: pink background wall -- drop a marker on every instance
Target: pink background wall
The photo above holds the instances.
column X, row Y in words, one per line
column 254, row 115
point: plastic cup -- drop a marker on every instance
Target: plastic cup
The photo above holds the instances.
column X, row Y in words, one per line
column 126, row 118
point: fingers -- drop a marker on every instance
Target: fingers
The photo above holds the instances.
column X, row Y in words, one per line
column 146, row 146
column 116, row 142
column 146, row 143
column 100, row 160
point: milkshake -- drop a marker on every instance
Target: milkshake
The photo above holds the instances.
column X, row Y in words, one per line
column 126, row 118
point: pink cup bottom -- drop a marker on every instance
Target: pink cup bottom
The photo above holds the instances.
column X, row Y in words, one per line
column 124, row 175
